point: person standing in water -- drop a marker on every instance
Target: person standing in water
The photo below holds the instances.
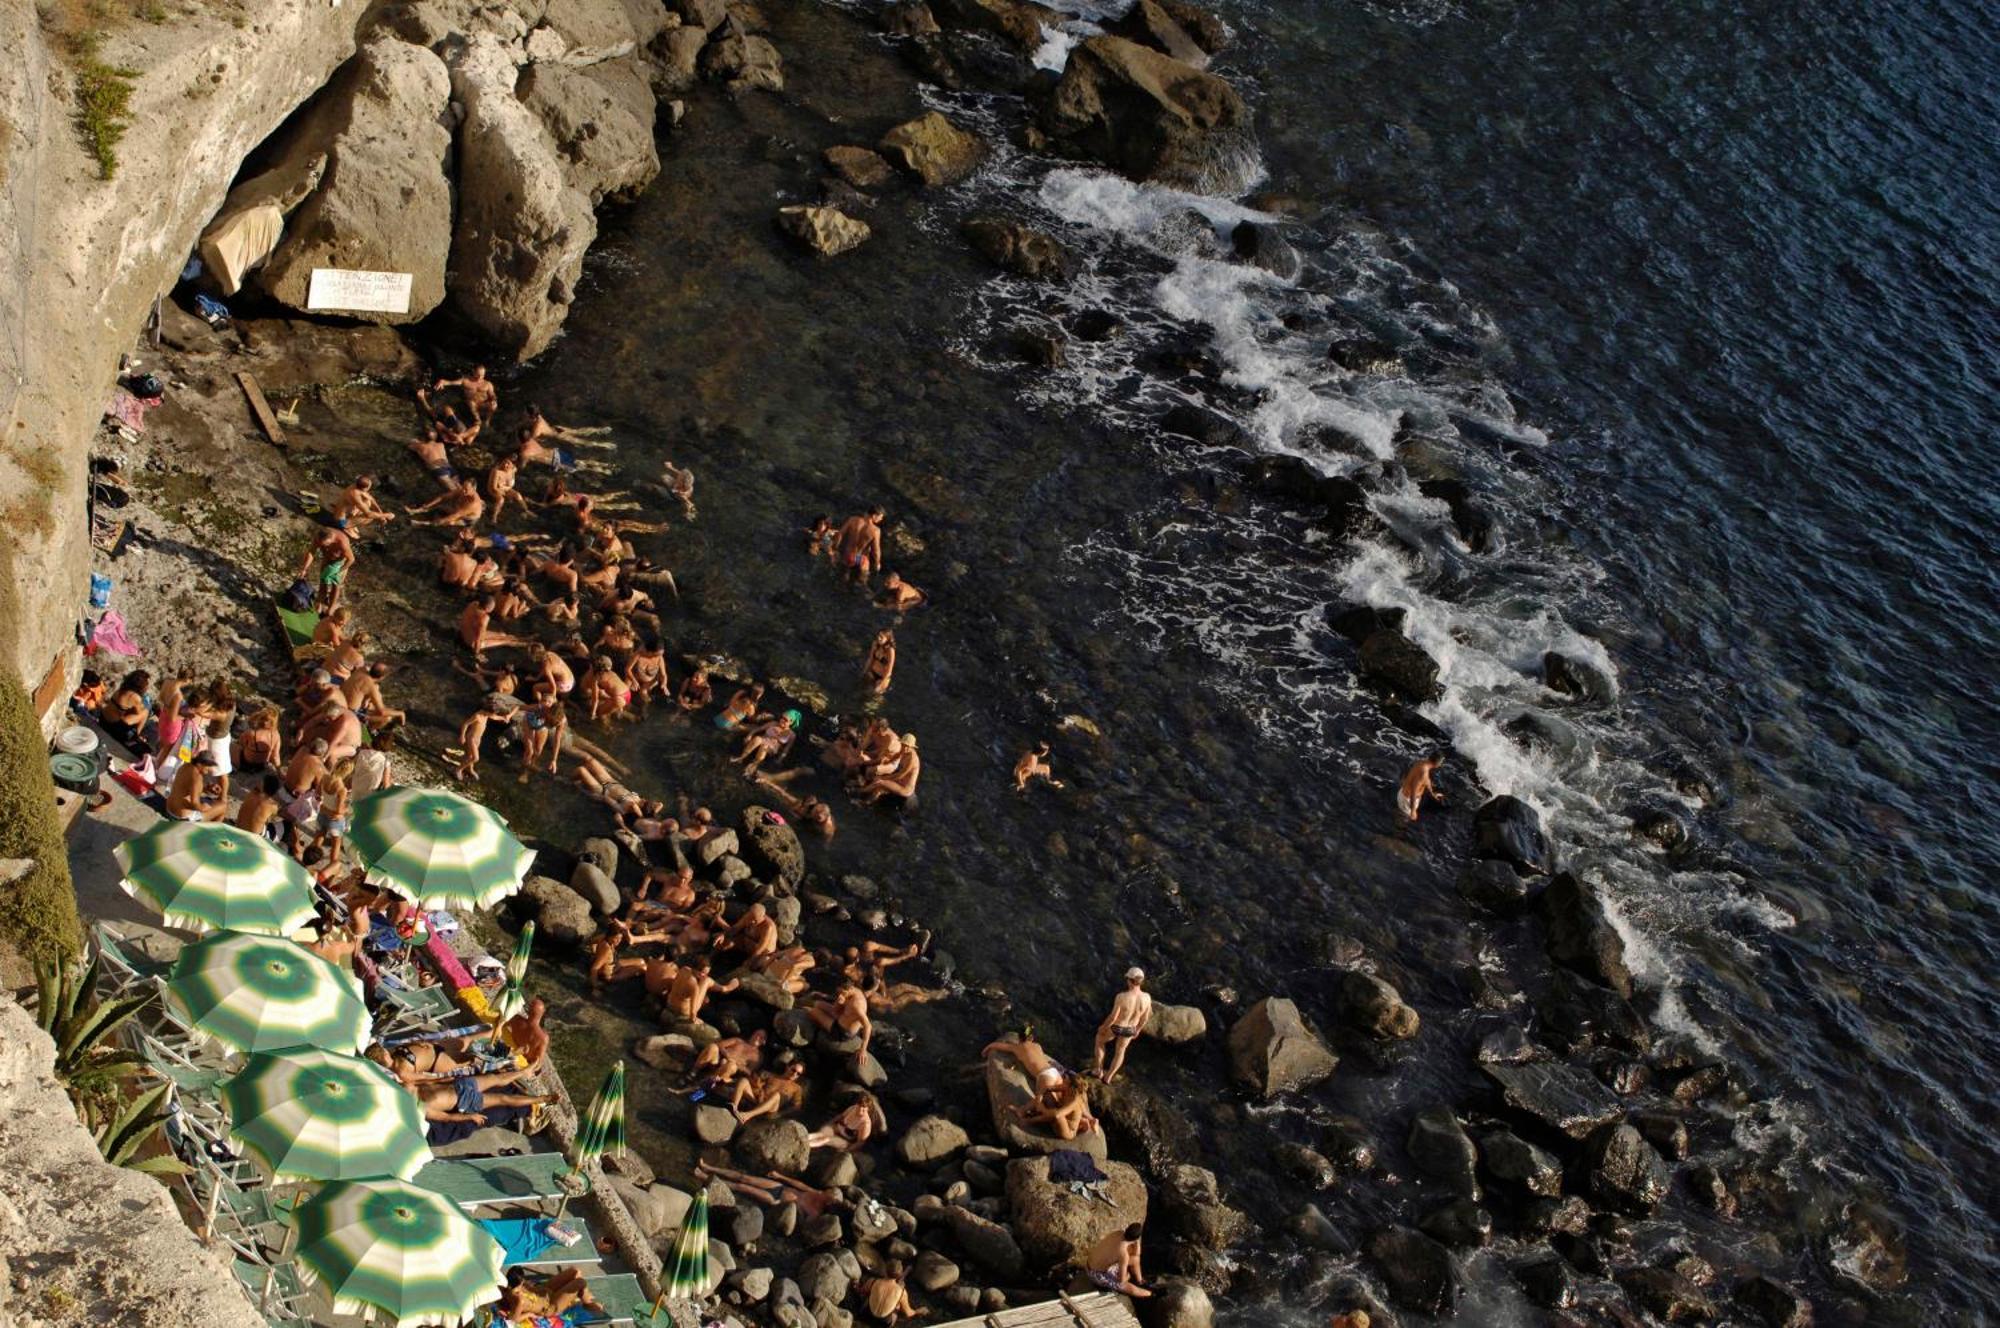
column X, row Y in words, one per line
column 859, row 546
column 1131, row 1010
column 1416, row 785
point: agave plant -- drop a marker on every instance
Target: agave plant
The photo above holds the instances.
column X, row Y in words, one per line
column 95, row 1073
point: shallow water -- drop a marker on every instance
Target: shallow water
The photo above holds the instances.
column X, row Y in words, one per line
column 1694, row 300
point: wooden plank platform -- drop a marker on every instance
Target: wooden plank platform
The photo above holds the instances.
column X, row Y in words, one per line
column 261, row 408
column 1099, row 1309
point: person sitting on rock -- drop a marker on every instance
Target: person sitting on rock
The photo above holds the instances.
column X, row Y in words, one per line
column 605, row 963
column 858, row 1122
column 1064, row 1107
column 524, row 1035
column 1113, row 1264
column 357, row 505
column 845, row 1016
column 482, row 398
column 696, row 692
column 751, row 936
column 767, row 742
column 726, row 1060
column 810, row 815
column 886, row 1296
column 459, row 505
column 672, row 890
column 786, row 967
column 772, row 1092
column 1034, row 765
column 894, row 777
column 692, row 988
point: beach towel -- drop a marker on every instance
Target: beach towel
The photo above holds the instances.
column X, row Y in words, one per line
column 447, row 963
column 1067, row 1165
column 128, row 410
column 523, row 1239
column 110, row 635
column 299, row 625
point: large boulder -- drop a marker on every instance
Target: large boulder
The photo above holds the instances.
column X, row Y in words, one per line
column 1192, row 1200
column 1375, row 1009
column 1510, row 830
column 745, row 62
column 601, row 120
column 773, row 1145
column 1558, row 1096
column 931, row 1142
column 826, row 231
column 522, row 231
column 770, row 842
column 1149, row 115
column 1055, row 1225
column 1576, row 1014
column 1400, row 667
column 1143, row 1122
column 1580, row 934
column 1177, row 1023
column 988, row 1244
column 1514, row 1161
column 1418, row 1271
column 864, row 168
column 562, row 916
column 1007, row 1087
column 1775, row 1304
column 1019, row 249
column 596, row 887
column 1150, row 24
column 1623, row 1172
column 1441, row 1149
column 933, row 149
column 1177, row 1304
column 1272, row 1050
column 383, row 202
column 1016, row 21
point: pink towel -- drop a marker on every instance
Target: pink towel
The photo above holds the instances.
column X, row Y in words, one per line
column 129, row 410
column 447, row 964
column 110, row 635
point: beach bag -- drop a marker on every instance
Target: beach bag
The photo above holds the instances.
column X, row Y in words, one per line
column 299, row 596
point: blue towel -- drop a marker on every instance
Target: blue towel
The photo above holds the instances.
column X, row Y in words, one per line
column 524, row 1239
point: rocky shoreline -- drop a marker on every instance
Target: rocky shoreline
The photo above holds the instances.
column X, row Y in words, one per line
column 1570, row 1152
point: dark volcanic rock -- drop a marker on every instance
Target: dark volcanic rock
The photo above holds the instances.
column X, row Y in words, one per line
column 1347, row 1144
column 1775, row 1304
column 1510, row 830
column 1462, row 1224
column 1204, row 426
column 1577, row 1014
column 1373, row 1008
column 1138, row 1120
column 1495, row 886
column 1559, row 1096
column 1262, row 246
column 1512, row 1160
column 1148, row 115
column 1667, row 1133
column 1398, row 666
column 1868, row 1249
column 1580, row 934
column 1623, row 1172
column 1473, row 522
column 1441, row 1148
column 1273, row 1051
column 1358, row 622
column 1305, row 1165
column 1667, row 1295
column 1548, row 1281
column 1574, row 677
column 1417, row 1270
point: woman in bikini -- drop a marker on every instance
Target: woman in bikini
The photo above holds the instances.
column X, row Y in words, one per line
column 742, row 707
column 696, row 693
column 860, row 1121
column 776, row 1188
column 262, row 745
column 605, row 690
column 881, row 663
column 646, row 673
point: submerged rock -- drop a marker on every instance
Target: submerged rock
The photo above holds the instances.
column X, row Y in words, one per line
column 1017, row 248
column 1507, row 829
column 1262, row 246
column 1418, row 1271
column 1576, row 1014
column 1462, row 1224
column 1273, row 1051
column 1868, row 1249
column 1148, row 114
column 1513, row 1161
column 933, row 149
column 1375, row 1009
column 1495, row 886
column 1580, row 934
column 1206, row 427
column 1775, row 1304
column 1547, row 1280
column 858, row 166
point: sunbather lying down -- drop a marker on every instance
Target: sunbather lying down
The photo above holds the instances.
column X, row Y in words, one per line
column 776, row 1188
column 528, row 1297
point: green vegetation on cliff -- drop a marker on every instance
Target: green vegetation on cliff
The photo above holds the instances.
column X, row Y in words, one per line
column 38, row 912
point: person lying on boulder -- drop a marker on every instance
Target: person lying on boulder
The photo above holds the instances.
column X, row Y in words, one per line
column 1064, row 1107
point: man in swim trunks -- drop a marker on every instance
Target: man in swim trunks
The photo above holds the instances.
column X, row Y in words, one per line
column 334, row 550
column 363, row 693
column 725, row 1060
column 769, row 1092
column 482, row 398
column 1029, row 1055
column 476, row 631
column 500, row 487
column 1064, row 1108
column 751, row 936
column 1114, row 1264
column 692, row 989
column 1417, row 785
column 1131, row 1010
column 1034, row 765
column 458, row 563
column 524, row 1035
column 458, row 505
column 845, row 1016
column 357, row 506
column 858, row 547
column 431, row 452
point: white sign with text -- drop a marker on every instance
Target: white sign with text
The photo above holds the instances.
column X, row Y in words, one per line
column 334, row 289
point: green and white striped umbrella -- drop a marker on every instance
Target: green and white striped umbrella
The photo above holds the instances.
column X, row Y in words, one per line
column 686, row 1274
column 602, row 1129
column 510, row 1002
column 403, row 1251
column 262, row 993
column 517, row 963
column 439, row 849
column 314, row 1115
column 216, row 878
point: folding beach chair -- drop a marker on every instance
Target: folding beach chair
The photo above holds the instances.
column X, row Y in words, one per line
column 413, row 1014
column 276, row 1288
column 126, row 972
column 476, row 1182
column 620, row 1298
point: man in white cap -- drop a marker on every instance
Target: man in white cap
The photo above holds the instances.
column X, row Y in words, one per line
column 1130, row 1010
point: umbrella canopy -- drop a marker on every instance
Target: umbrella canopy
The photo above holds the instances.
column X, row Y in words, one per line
column 313, row 1115
column 510, row 1002
column 389, row 1246
column 686, row 1274
column 216, row 878
column 437, row 848
column 517, row 963
column 602, row 1129
column 261, row 993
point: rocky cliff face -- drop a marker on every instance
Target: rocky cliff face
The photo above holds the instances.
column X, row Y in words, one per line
column 81, row 259
column 82, row 1241
column 468, row 143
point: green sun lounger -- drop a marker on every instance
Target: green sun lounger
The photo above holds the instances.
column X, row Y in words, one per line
column 621, row 1299
column 299, row 627
column 473, row 1182
column 276, row 1289
column 127, row 972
